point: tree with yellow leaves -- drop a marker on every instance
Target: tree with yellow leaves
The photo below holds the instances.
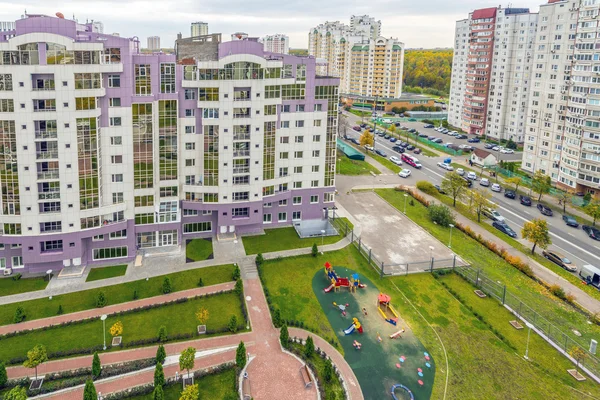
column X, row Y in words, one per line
column 536, row 231
column 202, row 315
column 116, row 329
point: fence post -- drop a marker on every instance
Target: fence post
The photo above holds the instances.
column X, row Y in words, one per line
column 549, row 327
column 352, row 233
column 431, row 266
column 504, row 295
column 359, row 245
column 519, row 312
column 370, row 256
column 566, row 343
column 477, row 279
column 407, row 264
column 381, row 274
column 454, row 262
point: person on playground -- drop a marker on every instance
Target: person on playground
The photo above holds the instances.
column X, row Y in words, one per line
column 364, row 310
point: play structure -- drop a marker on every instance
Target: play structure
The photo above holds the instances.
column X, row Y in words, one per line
column 385, row 308
column 337, row 282
column 397, row 334
column 341, row 307
column 400, row 386
column 356, row 326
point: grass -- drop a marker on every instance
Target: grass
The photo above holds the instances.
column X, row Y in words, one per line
column 106, row 272
column 278, row 239
column 199, row 249
column 179, row 318
column 9, row 286
column 333, row 389
column 529, row 291
column 115, row 294
column 359, row 113
column 386, row 163
column 346, row 166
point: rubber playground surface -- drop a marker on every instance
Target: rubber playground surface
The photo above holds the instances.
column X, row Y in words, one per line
column 376, row 363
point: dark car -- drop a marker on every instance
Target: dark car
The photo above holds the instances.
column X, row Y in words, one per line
column 474, row 140
column 412, row 130
column 428, row 126
column 502, row 227
column 489, row 145
column 397, row 124
column 356, row 128
column 525, row 200
column 393, row 139
column 386, row 136
column 423, row 135
column 559, row 260
column 510, row 194
column 461, row 136
column 570, row 221
column 363, row 126
column 417, row 151
column 410, row 147
column 381, row 153
column 439, row 189
column 592, row 232
column 545, row 210
column 468, row 182
column 431, row 137
column 398, row 149
column 355, row 141
column 404, row 144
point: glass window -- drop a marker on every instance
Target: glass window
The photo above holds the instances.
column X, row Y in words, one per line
column 167, row 78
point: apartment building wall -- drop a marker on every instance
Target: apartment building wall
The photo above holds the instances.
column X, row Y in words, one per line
column 199, row 29
column 459, row 70
column 277, row 43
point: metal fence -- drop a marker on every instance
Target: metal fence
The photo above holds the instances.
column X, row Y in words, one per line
column 550, row 332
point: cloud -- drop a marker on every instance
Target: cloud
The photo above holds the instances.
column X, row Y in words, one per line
column 417, row 24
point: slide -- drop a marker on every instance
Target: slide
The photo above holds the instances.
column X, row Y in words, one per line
column 328, row 289
column 350, row 329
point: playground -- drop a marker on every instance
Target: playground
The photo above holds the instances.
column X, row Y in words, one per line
column 387, row 358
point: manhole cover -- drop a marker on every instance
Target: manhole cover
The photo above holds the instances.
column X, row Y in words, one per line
column 248, row 298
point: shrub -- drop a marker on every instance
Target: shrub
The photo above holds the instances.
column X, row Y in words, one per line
column 411, row 202
column 200, row 282
column 276, row 316
column 166, row 286
column 315, row 250
column 16, row 277
column 159, row 375
column 161, row 354
column 158, row 393
column 162, row 334
column 19, row 315
column 558, row 292
column 116, row 329
column 135, row 295
column 236, row 273
column 427, row 187
column 101, row 300
column 3, row 375
column 240, row 356
column 309, row 347
column 284, row 336
column 328, row 370
column 239, row 287
column 440, row 214
column 96, row 366
column 89, row 393
column 60, row 310
column 233, row 324
column 259, row 259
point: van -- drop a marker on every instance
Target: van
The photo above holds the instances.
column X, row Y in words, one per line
column 591, row 275
column 387, row 121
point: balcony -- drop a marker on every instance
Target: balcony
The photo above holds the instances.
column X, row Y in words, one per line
column 47, row 175
column 48, row 196
column 47, row 134
column 241, row 136
column 242, row 114
column 43, row 85
column 241, row 153
column 45, row 155
column 241, row 170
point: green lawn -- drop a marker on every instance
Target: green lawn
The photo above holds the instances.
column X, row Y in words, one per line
column 199, row 249
column 359, row 113
column 346, row 166
column 8, row 286
column 529, row 291
column 217, row 386
column 333, row 389
column 106, row 272
column 115, row 294
column 386, row 162
column 278, row 239
column 179, row 318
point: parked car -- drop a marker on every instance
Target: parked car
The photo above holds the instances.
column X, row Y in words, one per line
column 393, row 139
column 488, row 146
column 424, row 135
column 461, row 136
column 386, row 136
column 355, row 141
column 445, row 166
column 439, row 189
column 496, row 148
column 507, row 151
column 395, row 160
column 484, row 182
column 474, row 140
column 544, row 210
column 511, row 194
column 492, row 214
column 381, row 153
column 496, row 188
column 369, row 147
column 404, row 144
column 410, row 147
column 504, row 228
column 356, row 128
column 397, row 124
column 468, row 181
column 405, row 173
column 431, row 138
column 398, row 149
column 445, row 130
column 570, row 221
column 559, row 260
column 363, row 126
column 428, row 126
column 412, row 120
column 465, row 147
column 460, row 171
column 525, row 200
column 437, row 140
column 472, row 176
column 591, row 231
column 417, row 151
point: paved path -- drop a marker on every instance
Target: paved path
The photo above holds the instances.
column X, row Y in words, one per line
column 97, row 312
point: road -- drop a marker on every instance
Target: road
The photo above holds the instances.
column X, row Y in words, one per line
column 571, row 242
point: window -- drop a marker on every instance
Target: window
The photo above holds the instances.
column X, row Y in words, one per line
column 299, row 124
column 167, row 78
column 267, row 218
column 284, row 139
column 283, row 155
column 270, row 109
column 17, row 262
column 285, row 124
column 297, row 200
column 316, row 153
column 317, row 122
column 190, row 112
column 299, row 139
column 296, row 215
column 168, row 191
column 51, row 246
column 115, row 102
column 190, row 146
column 298, row 170
column 314, row 183
column 282, row 217
column 298, row 154
column 116, row 140
column 272, row 91
column 240, row 212
column 314, row 199
column 115, row 121
column 110, row 252
column 116, row 159
column 283, row 203
column 190, row 129
column 144, row 218
column 7, row 105
column 143, row 83
column 143, row 201
column 207, row 94
column 318, row 107
column 6, row 81
column 117, row 197
column 241, row 196
column 117, row 177
column 85, row 103
column 97, row 238
column 118, row 234
column 210, row 113
column 297, row 185
column 197, row 227
column 299, row 107
column 114, row 81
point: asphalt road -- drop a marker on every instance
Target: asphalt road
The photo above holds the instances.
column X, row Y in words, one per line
column 573, row 243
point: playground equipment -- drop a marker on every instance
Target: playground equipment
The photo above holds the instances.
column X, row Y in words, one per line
column 400, row 386
column 355, row 282
column 336, row 281
column 397, row 334
column 385, row 308
column 357, row 345
column 356, row 326
column 342, row 307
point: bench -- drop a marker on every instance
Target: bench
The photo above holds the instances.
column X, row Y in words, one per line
column 306, row 376
column 246, row 392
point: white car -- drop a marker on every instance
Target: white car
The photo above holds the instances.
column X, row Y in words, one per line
column 507, row 151
column 496, row 188
column 445, row 166
column 472, row 176
column 484, row 182
column 405, row 173
column 492, row 214
column 369, row 147
column 460, row 171
column 396, row 160
column 496, row 148
column 453, row 133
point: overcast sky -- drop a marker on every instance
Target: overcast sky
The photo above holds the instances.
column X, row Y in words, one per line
column 427, row 24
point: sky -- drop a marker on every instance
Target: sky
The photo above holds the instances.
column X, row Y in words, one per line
column 419, row 24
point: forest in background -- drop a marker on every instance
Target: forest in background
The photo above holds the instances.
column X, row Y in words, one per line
column 427, row 71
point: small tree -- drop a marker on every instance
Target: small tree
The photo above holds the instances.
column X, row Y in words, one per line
column 236, row 273
column 3, row 375
column 200, row 282
column 96, row 366
column 284, row 336
column 328, row 370
column 241, row 356
column 162, row 334
column 259, row 259
column 440, row 214
column 515, row 180
column 60, row 310
column 454, row 185
column 16, row 393
column 541, row 183
column 511, row 144
column 309, row 347
column 563, row 198
column 239, row 287
column 233, row 324
column 116, row 329
column 19, row 315
column 190, row 392
column 480, row 201
column 187, row 359
column 159, row 375
column 536, row 231
column 579, row 355
column 202, row 315
column 89, row 392
column 101, row 300
column 276, row 316
column 315, row 250
column 166, row 286
column 158, row 393
column 161, row 354
column 35, row 357
column 135, row 295
column 366, row 138
column 593, row 210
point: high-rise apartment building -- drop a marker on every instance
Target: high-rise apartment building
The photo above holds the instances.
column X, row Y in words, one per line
column 277, row 43
column 199, row 29
column 153, row 42
column 491, row 72
column 107, row 150
column 368, row 64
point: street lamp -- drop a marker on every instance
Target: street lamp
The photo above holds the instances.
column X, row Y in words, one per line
column 405, row 197
column 322, row 237
column 431, row 252
column 103, row 318
column 450, row 242
column 526, row 356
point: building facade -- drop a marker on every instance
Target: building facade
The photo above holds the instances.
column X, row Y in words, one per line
column 107, row 150
column 199, row 29
column 277, row 43
column 7, row 26
column 153, row 43
column 367, row 25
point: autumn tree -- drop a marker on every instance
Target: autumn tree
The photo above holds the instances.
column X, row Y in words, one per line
column 480, row 201
column 593, row 210
column 563, row 198
column 454, row 185
column 579, row 355
column 202, row 315
column 536, row 231
column 190, row 393
column 116, row 329
column 367, row 138
column 541, row 183
column 35, row 357
column 515, row 180
column 187, row 359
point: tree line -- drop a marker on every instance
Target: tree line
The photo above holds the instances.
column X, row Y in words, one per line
column 428, row 71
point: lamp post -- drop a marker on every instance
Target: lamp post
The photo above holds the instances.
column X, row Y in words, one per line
column 103, row 318
column 526, row 356
column 450, row 242
column 322, row 236
column 405, row 197
column 431, row 252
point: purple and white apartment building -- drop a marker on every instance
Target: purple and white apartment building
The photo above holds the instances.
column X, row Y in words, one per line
column 105, row 150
